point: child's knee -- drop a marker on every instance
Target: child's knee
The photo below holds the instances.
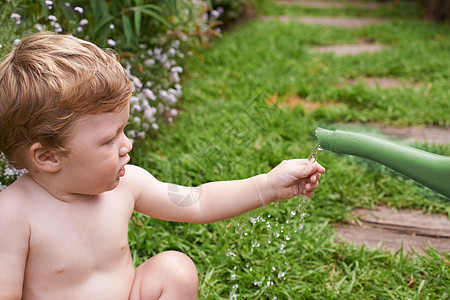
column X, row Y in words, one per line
column 170, row 273
column 180, row 267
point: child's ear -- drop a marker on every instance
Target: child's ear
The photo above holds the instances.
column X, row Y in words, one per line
column 43, row 159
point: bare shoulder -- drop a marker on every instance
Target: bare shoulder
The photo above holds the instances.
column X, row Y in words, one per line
column 142, row 183
column 13, row 199
column 136, row 175
column 14, row 216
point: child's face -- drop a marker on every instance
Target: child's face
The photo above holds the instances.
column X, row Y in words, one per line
column 98, row 152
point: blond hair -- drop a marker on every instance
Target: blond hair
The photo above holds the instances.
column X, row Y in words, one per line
column 47, row 82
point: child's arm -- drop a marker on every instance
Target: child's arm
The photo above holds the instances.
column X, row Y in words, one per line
column 14, row 237
column 222, row 200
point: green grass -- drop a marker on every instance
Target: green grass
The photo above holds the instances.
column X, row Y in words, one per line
column 226, row 131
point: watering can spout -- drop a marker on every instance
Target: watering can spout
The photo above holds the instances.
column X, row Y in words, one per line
column 428, row 169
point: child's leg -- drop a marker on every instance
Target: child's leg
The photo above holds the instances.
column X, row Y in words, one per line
column 167, row 275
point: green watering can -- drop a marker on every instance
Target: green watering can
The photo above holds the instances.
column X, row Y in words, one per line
column 431, row 170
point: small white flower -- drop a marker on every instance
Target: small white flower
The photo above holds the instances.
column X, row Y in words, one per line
column 176, row 44
column 38, row 27
column 172, row 52
column 215, row 14
column 175, row 77
column 149, row 62
column 15, row 16
column 16, row 42
column 145, row 126
column 134, row 99
column 157, row 51
column 78, row 9
column 84, row 22
column 132, row 133
column 149, row 93
column 1, row 46
column 176, row 69
column 137, row 120
column 137, row 82
column 56, row 27
column 111, row 42
column 111, row 26
column 175, row 92
column 155, row 126
column 52, row 18
column 173, row 112
column 136, row 107
column 48, row 2
column 167, row 64
column 67, row 4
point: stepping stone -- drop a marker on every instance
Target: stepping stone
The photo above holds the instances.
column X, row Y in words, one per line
column 429, row 134
column 350, row 49
column 337, row 21
column 384, row 82
column 390, row 229
column 325, row 4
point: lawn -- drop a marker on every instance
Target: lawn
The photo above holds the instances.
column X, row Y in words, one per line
column 229, row 128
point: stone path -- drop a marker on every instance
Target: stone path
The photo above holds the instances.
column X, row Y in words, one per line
column 325, row 4
column 331, row 21
column 384, row 82
column 392, row 230
column 350, row 49
column 430, row 134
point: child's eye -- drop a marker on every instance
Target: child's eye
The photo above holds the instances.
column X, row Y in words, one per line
column 111, row 140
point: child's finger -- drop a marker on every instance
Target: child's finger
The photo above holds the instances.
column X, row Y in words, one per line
column 319, row 168
column 311, row 186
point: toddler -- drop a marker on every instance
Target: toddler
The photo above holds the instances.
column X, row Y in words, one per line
column 64, row 104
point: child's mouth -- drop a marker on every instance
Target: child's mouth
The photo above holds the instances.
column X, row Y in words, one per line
column 121, row 172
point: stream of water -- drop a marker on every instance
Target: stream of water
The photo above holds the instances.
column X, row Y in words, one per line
column 272, row 233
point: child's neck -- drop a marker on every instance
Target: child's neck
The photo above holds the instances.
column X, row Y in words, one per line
column 50, row 187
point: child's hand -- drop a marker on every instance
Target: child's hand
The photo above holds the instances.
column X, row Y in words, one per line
column 294, row 177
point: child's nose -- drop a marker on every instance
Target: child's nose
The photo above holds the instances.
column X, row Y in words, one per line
column 126, row 145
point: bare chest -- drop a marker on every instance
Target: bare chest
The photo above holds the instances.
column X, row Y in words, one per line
column 70, row 244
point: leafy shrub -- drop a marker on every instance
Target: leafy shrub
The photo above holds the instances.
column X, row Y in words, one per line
column 151, row 39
